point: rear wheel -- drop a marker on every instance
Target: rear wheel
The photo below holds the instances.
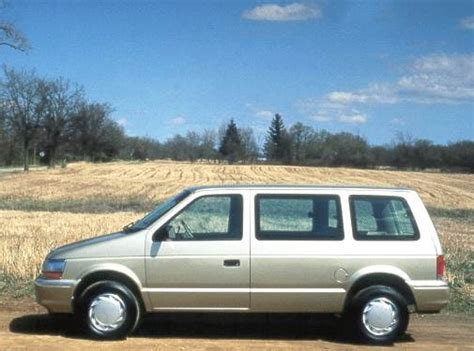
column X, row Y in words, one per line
column 109, row 310
column 379, row 314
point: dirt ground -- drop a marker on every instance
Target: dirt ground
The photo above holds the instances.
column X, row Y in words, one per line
column 25, row 325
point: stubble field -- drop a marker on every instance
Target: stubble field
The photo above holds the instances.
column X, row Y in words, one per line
column 47, row 208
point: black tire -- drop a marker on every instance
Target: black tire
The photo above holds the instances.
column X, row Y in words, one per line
column 384, row 295
column 119, row 295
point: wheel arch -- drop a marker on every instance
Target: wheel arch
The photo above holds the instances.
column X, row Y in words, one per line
column 376, row 277
column 118, row 274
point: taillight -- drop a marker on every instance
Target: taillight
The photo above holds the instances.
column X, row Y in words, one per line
column 440, row 265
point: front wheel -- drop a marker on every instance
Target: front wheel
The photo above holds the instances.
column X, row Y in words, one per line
column 379, row 314
column 109, row 310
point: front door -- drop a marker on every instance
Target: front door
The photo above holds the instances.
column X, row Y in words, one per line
column 203, row 264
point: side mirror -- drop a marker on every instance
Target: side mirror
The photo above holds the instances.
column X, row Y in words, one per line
column 164, row 233
column 161, row 234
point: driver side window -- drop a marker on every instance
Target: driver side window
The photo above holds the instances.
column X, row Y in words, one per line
column 216, row 217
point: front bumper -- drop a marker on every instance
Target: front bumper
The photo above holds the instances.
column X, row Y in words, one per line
column 55, row 295
column 430, row 295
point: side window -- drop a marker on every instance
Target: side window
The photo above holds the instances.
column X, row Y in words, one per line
column 298, row 217
column 382, row 218
column 209, row 218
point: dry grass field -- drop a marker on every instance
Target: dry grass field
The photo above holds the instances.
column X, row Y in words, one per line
column 26, row 237
column 46, row 208
column 126, row 182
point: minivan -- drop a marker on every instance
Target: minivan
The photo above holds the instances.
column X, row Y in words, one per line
column 370, row 255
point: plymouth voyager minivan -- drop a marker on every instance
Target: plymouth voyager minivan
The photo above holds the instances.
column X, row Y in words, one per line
column 371, row 255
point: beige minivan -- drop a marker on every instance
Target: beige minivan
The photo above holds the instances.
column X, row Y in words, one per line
column 371, row 255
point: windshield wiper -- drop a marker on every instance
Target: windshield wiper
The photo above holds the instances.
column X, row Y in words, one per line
column 128, row 226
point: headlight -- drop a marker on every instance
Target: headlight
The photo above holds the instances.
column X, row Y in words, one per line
column 53, row 269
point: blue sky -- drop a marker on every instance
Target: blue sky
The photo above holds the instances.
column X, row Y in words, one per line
column 373, row 68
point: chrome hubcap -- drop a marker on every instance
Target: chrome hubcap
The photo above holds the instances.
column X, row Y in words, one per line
column 380, row 316
column 107, row 312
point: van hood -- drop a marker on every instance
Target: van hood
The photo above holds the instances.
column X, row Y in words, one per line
column 109, row 245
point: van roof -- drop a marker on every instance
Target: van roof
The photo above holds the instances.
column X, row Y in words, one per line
column 296, row 187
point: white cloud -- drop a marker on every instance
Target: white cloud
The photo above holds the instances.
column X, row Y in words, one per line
column 281, row 13
column 357, row 118
column 375, row 93
column 342, row 115
column 439, row 79
column 265, row 114
column 177, row 121
column 430, row 79
column 342, row 97
column 468, row 23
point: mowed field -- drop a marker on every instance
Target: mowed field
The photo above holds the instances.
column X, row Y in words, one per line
column 124, row 183
column 43, row 209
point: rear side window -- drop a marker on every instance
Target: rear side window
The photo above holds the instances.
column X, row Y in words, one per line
column 298, row 217
column 382, row 218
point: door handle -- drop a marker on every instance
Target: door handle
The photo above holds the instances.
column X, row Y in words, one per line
column 231, row 263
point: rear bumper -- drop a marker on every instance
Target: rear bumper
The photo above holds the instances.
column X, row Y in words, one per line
column 430, row 295
column 55, row 295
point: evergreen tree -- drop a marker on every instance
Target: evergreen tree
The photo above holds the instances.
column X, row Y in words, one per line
column 231, row 144
column 278, row 143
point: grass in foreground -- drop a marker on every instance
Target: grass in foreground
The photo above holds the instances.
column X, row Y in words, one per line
column 457, row 238
column 26, row 237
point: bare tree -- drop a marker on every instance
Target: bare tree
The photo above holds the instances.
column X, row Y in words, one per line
column 10, row 35
column 249, row 144
column 93, row 134
column 207, row 146
column 22, row 106
column 9, row 150
column 301, row 136
column 61, row 102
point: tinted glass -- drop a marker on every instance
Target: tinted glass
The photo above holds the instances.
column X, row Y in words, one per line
column 386, row 218
column 293, row 217
column 209, row 218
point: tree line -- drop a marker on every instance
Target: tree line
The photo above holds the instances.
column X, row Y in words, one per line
column 51, row 121
column 301, row 144
column 45, row 120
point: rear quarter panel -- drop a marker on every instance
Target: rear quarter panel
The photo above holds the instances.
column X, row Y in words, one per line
column 305, row 276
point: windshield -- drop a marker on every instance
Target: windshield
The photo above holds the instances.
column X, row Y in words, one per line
column 156, row 213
